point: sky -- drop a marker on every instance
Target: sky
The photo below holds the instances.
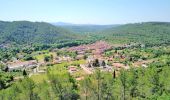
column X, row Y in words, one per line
column 86, row 11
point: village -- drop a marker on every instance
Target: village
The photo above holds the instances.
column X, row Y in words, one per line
column 91, row 56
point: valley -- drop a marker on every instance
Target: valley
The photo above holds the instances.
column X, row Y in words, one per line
column 40, row 60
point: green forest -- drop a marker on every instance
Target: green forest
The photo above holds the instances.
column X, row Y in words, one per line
column 149, row 33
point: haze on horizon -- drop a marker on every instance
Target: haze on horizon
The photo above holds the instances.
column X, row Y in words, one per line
column 86, row 11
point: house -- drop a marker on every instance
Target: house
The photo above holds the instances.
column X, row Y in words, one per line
column 80, row 57
column 66, row 58
column 119, row 66
column 61, row 59
column 72, row 69
column 19, row 65
column 57, row 60
column 79, row 78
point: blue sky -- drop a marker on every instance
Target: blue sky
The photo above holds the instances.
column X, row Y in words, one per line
column 86, row 11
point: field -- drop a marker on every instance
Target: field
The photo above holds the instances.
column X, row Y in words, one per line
column 39, row 78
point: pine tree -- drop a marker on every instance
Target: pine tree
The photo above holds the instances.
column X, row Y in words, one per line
column 24, row 73
column 114, row 74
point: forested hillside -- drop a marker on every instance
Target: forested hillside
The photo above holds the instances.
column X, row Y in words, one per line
column 24, row 32
column 149, row 32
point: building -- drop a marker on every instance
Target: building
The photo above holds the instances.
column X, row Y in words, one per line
column 19, row 65
column 72, row 69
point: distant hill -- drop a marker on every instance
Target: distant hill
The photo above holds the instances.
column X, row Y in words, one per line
column 25, row 32
column 83, row 28
column 87, row 28
column 148, row 32
column 61, row 23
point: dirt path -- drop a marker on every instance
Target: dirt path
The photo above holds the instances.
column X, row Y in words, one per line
column 87, row 70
